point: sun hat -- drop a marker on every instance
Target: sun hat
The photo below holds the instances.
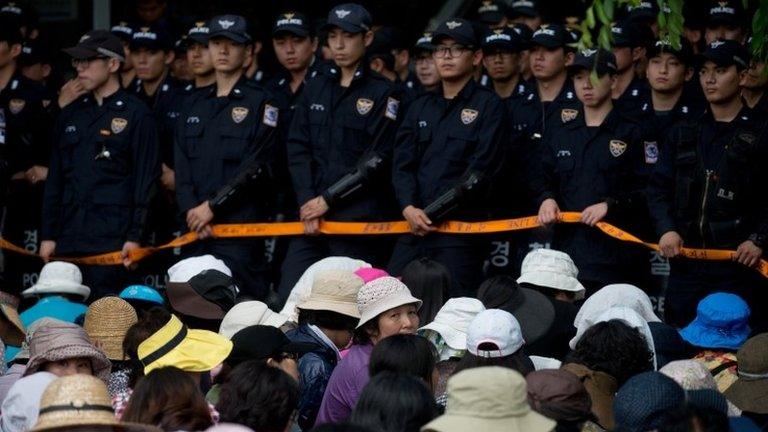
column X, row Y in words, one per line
column 533, row 310
column 23, row 353
column 709, row 399
column 381, row 295
column 59, row 277
column 201, row 287
column 551, row 269
column 750, row 391
column 22, row 403
column 249, row 313
column 368, row 274
column 722, row 321
column 187, row 349
column 627, row 316
column 690, row 374
column 142, row 293
column 615, row 295
column 490, row 399
column 497, row 327
column 61, row 340
column 335, row 291
column 262, row 342
column 80, row 401
column 640, row 401
column 11, row 327
column 106, row 322
column 453, row 319
column 559, row 395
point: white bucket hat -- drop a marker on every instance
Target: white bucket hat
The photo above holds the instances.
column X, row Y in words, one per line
column 381, row 295
column 498, row 327
column 59, row 277
column 551, row 269
column 453, row 319
column 249, row 313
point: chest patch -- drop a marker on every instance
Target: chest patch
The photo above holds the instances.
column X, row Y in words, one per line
column 617, row 147
column 468, row 115
column 364, row 106
column 568, row 114
column 16, row 105
column 239, row 114
column 118, row 125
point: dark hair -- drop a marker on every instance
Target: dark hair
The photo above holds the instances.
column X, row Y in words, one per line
column 710, row 420
column 327, row 319
column 170, row 399
column 262, row 397
column 614, row 348
column 339, row 427
column 549, row 292
column 517, row 361
column 404, row 353
column 428, row 281
column 497, row 292
column 362, row 334
column 152, row 321
column 393, row 402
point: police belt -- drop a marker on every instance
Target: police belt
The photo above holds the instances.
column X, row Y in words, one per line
column 273, row 229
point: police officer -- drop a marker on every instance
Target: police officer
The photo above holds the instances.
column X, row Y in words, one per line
column 754, row 85
column 103, row 164
column 198, row 57
column 501, row 58
column 708, row 192
column 424, row 63
column 180, row 67
column 339, row 145
column 446, row 152
column 492, row 13
column 630, row 39
column 590, row 165
column 128, row 77
column 525, row 12
column 726, row 20
column 382, row 60
column 224, row 152
column 525, row 34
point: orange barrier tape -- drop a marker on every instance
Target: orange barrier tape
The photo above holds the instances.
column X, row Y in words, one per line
column 375, row 228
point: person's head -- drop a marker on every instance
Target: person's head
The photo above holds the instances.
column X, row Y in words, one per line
column 332, row 305
column 424, row 63
column 615, row 348
column 64, row 349
column 749, row 392
column 593, row 93
column 10, row 42
column 348, row 34
column 405, row 353
column 258, row 396
column 525, row 12
column 725, row 65
column 457, row 52
column 96, row 58
column 690, row 374
column 35, row 62
column 380, row 53
column 448, row 331
column 630, row 39
column 294, row 41
column 106, row 322
column 169, row 398
column 198, row 57
column 249, row 313
column 149, row 323
column 124, row 32
column 150, row 11
column 550, row 51
column 394, row 402
column 229, row 44
column 755, row 79
column 669, row 68
column 22, row 402
column 643, row 402
column 726, row 21
column 152, row 53
column 501, row 54
column 429, row 281
column 721, row 323
column 268, row 345
column 553, row 273
column 386, row 308
column 494, row 338
column 559, row 395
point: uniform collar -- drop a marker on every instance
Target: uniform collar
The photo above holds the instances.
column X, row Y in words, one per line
column 361, row 72
column 238, row 90
column 464, row 94
column 567, row 93
column 744, row 117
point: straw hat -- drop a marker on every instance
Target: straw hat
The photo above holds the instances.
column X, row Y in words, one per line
column 106, row 322
column 11, row 328
column 381, row 295
column 335, row 291
column 81, row 401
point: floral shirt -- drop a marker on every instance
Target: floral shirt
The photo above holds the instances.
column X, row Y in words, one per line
column 120, row 401
column 716, row 359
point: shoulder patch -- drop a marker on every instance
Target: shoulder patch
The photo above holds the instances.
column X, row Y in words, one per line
column 392, row 107
column 617, row 147
column 271, row 114
column 568, row 114
column 651, row 152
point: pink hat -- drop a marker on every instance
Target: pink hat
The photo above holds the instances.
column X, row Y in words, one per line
column 368, row 274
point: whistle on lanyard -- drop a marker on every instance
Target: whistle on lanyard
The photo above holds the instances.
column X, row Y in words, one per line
column 104, row 153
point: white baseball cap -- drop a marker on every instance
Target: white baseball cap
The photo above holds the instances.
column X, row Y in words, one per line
column 497, row 327
column 188, row 268
column 453, row 319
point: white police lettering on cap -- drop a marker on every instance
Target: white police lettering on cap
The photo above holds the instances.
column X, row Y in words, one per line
column 453, row 24
column 226, row 24
column 522, row 3
column 722, row 8
column 642, row 5
column 12, row 8
column 663, row 43
column 488, row 6
column 145, row 34
column 544, row 31
column 716, row 44
column 342, row 13
column 289, row 20
column 122, row 29
column 426, row 39
column 498, row 37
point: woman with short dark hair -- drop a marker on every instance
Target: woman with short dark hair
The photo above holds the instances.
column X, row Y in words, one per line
column 405, row 353
column 394, row 402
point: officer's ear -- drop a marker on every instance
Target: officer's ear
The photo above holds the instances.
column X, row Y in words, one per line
column 689, row 73
column 477, row 58
column 169, row 56
column 637, row 53
column 314, row 43
column 15, row 48
column 569, row 56
column 368, row 38
column 46, row 70
column 113, row 65
column 377, row 65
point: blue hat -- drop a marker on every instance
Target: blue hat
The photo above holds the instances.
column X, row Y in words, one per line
column 640, row 403
column 721, row 322
column 143, row 293
column 457, row 29
column 506, row 38
column 232, row 27
column 553, row 36
column 350, row 17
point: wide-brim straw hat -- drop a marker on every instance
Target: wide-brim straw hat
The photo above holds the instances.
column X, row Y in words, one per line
column 82, row 402
column 11, row 327
column 106, row 322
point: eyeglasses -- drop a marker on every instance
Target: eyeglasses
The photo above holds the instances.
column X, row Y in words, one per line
column 84, row 63
column 441, row 51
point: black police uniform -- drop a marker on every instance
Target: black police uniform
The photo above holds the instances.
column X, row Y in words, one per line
column 443, row 148
column 581, row 166
column 25, row 126
column 709, row 187
column 103, row 165
column 337, row 132
column 224, row 152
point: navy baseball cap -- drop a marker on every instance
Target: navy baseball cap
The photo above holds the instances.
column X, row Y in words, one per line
column 10, row 31
column 727, row 12
column 34, row 52
column 524, row 32
column 350, row 17
column 199, row 33
column 457, row 29
column 97, row 43
column 123, row 30
column 645, row 10
column 553, row 36
column 491, row 11
column 523, row 8
column 726, row 53
column 292, row 22
column 631, row 34
column 601, row 60
column 663, row 45
column 424, row 43
column 232, row 27
column 153, row 37
column 505, row 39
